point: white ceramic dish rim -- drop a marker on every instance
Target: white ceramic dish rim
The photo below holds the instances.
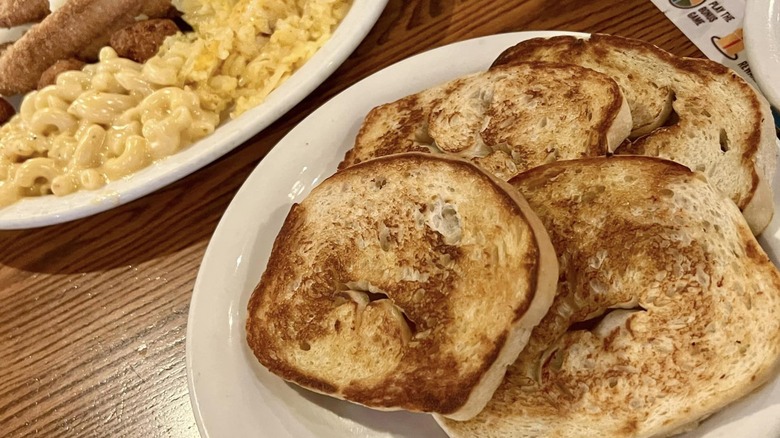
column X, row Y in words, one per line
column 762, row 44
column 50, row 210
column 221, row 400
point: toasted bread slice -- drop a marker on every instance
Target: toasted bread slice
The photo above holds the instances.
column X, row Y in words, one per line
column 667, row 308
column 379, row 282
column 506, row 120
column 693, row 111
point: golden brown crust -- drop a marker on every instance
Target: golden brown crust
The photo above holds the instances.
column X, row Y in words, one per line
column 574, row 47
column 424, row 373
column 591, row 53
column 506, row 120
column 706, row 69
column 575, row 93
column 700, row 297
column 743, row 120
column 393, row 141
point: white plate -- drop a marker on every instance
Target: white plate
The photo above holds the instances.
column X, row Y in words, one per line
column 49, row 210
column 231, row 394
column 762, row 43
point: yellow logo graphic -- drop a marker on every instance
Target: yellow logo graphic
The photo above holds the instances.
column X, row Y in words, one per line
column 731, row 44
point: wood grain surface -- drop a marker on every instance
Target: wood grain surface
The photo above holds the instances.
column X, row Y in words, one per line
column 93, row 313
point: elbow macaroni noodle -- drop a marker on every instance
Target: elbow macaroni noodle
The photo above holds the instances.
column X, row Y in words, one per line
column 116, row 116
column 93, row 126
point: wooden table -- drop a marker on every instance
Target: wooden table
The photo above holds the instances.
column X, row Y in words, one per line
column 93, row 313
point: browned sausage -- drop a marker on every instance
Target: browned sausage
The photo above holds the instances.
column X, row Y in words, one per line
column 16, row 12
column 140, row 41
column 49, row 77
column 61, row 35
column 6, row 111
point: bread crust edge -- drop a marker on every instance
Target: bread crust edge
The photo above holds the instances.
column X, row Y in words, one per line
column 471, row 399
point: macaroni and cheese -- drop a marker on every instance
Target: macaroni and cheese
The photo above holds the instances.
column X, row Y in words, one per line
column 116, row 116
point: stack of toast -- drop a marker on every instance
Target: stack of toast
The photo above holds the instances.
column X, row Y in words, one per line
column 561, row 246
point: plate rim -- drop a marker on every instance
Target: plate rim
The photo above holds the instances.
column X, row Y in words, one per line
column 267, row 164
column 761, row 29
column 39, row 212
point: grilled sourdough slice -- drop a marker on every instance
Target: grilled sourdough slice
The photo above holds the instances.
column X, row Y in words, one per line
column 693, row 111
column 667, row 308
column 506, row 120
column 407, row 282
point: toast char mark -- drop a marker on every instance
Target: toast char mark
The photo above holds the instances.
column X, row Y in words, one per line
column 391, row 296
